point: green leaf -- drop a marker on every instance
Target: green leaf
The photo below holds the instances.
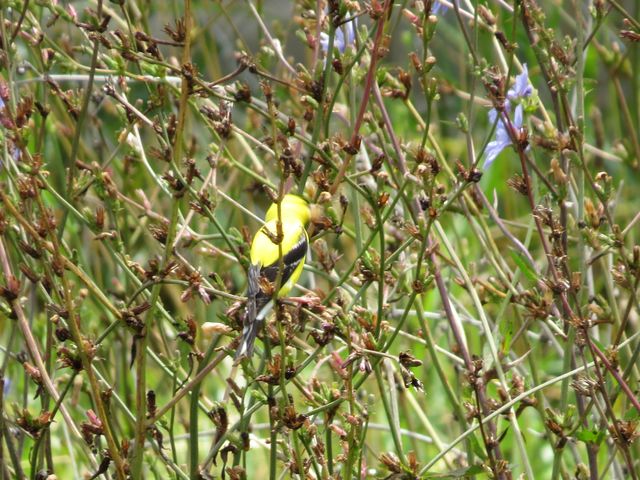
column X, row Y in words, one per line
column 477, row 449
column 506, row 330
column 523, row 266
column 590, row 436
column 632, row 415
column 599, row 344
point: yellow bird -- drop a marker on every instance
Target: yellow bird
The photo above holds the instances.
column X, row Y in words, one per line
column 274, row 262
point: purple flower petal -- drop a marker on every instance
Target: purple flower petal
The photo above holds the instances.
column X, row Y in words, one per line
column 350, row 30
column 502, row 139
column 517, row 119
column 493, row 113
column 338, row 41
column 502, row 134
column 493, row 150
column 438, row 8
column 522, row 87
column 345, row 35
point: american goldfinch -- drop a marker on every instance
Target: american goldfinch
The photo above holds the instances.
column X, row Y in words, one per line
column 274, row 262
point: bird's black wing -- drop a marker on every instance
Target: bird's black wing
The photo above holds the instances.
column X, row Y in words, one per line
column 290, row 261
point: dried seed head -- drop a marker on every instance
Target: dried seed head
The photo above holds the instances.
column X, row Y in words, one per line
column 584, row 385
column 391, row 462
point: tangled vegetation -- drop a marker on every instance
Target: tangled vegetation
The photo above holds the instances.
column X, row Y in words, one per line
column 469, row 304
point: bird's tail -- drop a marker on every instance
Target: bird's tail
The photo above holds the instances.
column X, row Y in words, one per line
column 252, row 326
column 249, row 334
column 254, row 314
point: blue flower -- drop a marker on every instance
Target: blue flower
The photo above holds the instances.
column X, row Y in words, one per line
column 16, row 154
column 438, row 8
column 521, row 89
column 345, row 36
column 502, row 139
